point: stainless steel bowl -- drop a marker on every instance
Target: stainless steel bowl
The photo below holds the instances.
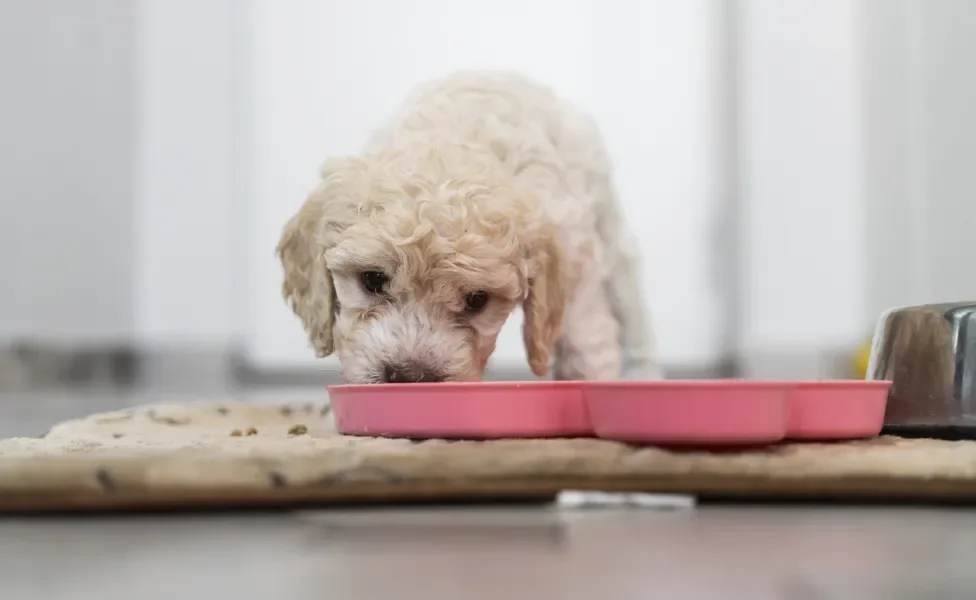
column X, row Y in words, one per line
column 929, row 354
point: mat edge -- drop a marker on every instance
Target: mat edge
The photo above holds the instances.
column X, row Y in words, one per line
column 744, row 488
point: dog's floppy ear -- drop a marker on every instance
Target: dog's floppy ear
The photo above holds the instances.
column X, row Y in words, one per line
column 545, row 304
column 308, row 287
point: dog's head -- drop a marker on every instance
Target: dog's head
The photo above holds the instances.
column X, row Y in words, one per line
column 406, row 263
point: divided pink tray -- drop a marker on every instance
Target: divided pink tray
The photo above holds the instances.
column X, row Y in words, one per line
column 698, row 413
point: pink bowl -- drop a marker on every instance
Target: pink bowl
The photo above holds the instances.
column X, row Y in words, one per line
column 704, row 413
column 517, row 409
column 831, row 410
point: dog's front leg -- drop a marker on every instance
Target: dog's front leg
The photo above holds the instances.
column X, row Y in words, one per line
column 589, row 348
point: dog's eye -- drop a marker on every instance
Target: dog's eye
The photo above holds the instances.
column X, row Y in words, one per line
column 374, row 281
column 475, row 302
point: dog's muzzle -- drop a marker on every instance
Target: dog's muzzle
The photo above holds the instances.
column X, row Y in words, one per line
column 410, row 373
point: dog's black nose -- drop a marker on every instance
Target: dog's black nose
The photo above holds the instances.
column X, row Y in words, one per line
column 410, row 373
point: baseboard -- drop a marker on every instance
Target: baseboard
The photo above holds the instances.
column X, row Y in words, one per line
column 252, row 375
column 258, row 377
column 28, row 365
column 25, row 366
column 797, row 363
column 32, row 366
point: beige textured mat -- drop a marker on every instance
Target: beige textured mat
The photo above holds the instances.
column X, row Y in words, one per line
column 239, row 455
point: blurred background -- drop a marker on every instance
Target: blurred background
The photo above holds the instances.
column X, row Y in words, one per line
column 791, row 167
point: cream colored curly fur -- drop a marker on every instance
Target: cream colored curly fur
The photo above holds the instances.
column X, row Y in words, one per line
column 484, row 182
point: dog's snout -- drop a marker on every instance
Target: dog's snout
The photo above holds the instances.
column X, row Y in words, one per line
column 410, row 373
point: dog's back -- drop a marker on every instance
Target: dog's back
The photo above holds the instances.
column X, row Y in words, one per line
column 525, row 124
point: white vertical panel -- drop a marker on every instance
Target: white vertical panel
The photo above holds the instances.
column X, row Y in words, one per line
column 802, row 176
column 945, row 100
column 184, row 202
column 66, row 160
column 326, row 73
column 895, row 150
column 659, row 95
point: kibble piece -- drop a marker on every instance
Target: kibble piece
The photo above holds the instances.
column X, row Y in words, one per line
column 236, row 433
column 251, row 431
column 298, row 430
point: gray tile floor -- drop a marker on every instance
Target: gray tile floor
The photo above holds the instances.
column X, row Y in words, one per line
column 724, row 552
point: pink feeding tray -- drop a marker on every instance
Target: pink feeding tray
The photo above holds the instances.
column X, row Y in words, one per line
column 517, row 409
column 701, row 413
column 831, row 410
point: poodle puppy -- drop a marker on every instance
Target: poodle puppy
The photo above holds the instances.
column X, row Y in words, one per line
column 486, row 192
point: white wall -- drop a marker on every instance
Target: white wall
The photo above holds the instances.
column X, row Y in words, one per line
column 127, row 213
column 323, row 73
